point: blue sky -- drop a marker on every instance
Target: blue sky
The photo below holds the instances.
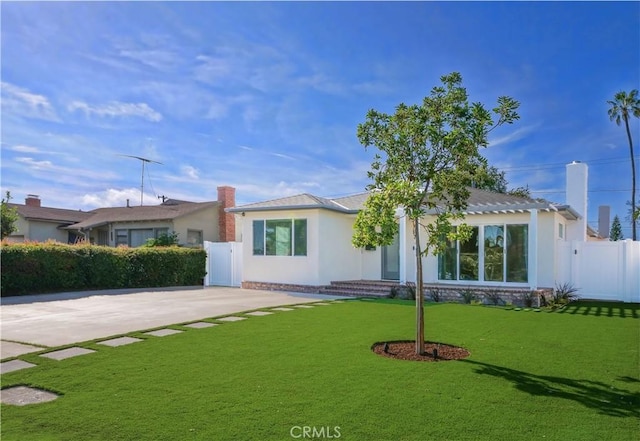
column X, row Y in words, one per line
column 266, row 97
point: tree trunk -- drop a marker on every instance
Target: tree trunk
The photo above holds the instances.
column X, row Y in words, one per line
column 419, row 291
column 633, row 183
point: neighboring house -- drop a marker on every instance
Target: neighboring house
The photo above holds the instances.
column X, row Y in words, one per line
column 303, row 242
column 193, row 222
column 39, row 224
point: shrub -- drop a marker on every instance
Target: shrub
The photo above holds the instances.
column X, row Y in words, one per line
column 468, row 296
column 163, row 240
column 563, row 294
column 406, row 292
column 29, row 268
column 493, row 296
column 435, row 294
column 528, row 298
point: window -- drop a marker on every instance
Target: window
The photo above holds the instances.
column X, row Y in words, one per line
column 122, row 238
column 504, row 251
column 561, row 231
column 140, row 236
column 494, row 253
column 517, row 248
column 258, row 237
column 280, row 237
column 194, row 238
column 137, row 236
column 464, row 268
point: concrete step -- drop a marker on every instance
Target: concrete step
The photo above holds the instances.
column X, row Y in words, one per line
column 360, row 288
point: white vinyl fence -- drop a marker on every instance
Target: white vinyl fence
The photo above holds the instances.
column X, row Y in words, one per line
column 224, row 263
column 601, row 270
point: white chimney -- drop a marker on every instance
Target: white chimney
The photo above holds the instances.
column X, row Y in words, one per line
column 604, row 226
column 577, row 173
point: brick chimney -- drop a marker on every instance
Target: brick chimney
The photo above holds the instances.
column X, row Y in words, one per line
column 226, row 221
column 32, row 200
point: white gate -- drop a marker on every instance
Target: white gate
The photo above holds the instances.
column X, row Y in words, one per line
column 601, row 270
column 224, row 263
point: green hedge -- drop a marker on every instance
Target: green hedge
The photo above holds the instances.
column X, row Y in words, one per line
column 52, row 267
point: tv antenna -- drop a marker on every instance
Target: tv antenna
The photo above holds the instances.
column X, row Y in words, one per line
column 143, row 161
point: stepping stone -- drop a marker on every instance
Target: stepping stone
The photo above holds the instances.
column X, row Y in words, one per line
column 199, row 325
column 259, row 313
column 120, row 341
column 67, row 353
column 23, row 395
column 13, row 349
column 303, row 306
column 282, row 309
column 231, row 319
column 14, row 365
column 163, row 332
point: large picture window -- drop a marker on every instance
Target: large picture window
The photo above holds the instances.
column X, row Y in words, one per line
column 280, row 237
column 504, row 251
column 460, row 259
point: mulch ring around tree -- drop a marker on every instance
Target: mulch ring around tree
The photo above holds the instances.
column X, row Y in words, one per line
column 406, row 350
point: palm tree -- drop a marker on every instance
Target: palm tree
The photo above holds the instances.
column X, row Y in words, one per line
column 622, row 106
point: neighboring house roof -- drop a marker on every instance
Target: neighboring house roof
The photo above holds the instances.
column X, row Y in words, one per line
column 163, row 212
column 480, row 201
column 55, row 215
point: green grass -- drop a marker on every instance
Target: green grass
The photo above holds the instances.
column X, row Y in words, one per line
column 567, row 375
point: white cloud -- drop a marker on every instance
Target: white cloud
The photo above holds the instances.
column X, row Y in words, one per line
column 190, row 171
column 513, row 136
column 25, row 149
column 117, row 109
column 117, row 198
column 212, row 69
column 280, row 155
column 322, row 83
column 25, row 103
column 36, row 165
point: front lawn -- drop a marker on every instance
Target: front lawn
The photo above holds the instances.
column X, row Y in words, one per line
column 567, row 375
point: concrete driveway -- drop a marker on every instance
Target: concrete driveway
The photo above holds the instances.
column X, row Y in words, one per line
column 32, row 322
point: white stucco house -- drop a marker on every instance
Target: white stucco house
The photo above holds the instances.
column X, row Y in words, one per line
column 303, row 242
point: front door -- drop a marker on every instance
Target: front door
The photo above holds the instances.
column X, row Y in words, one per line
column 391, row 260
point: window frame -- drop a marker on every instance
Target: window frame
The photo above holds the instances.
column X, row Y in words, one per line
column 261, row 237
column 507, row 268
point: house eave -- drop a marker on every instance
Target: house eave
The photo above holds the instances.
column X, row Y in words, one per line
column 289, row 208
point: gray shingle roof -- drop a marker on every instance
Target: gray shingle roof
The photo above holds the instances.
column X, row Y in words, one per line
column 47, row 214
column 298, row 202
column 480, row 201
column 103, row 216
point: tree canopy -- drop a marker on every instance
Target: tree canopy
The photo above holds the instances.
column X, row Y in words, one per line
column 9, row 216
column 616, row 229
column 428, row 156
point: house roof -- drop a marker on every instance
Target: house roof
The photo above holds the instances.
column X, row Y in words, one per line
column 480, row 202
column 163, row 212
column 298, row 202
column 47, row 214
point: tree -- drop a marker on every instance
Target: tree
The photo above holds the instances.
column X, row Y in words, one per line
column 523, row 192
column 622, row 107
column 616, row 229
column 431, row 154
column 491, row 179
column 9, row 216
